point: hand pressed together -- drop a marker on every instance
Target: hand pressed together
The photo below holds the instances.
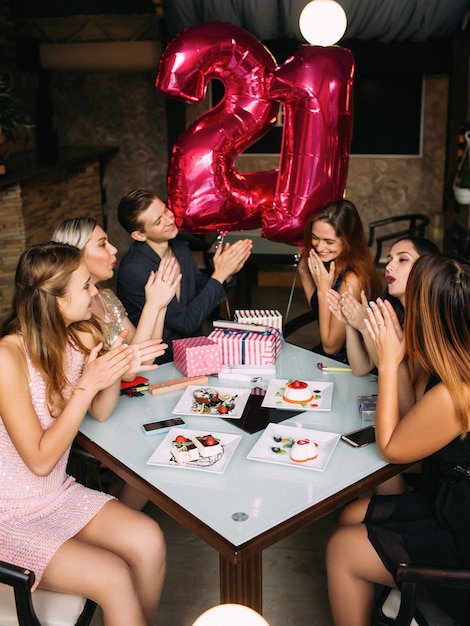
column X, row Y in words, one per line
column 323, row 278
column 386, row 332
column 347, row 309
column 229, row 259
column 161, row 285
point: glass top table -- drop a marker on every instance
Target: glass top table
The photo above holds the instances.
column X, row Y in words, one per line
column 252, row 504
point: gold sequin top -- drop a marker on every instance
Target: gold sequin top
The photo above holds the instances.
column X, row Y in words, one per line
column 115, row 313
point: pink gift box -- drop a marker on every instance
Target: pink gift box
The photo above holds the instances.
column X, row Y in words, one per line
column 194, row 356
column 238, row 347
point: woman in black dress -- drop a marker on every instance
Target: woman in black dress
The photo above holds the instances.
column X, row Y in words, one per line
column 377, row 534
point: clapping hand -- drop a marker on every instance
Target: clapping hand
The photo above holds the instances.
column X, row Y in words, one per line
column 161, row 285
column 143, row 353
column 386, row 333
column 99, row 372
column 353, row 310
column 334, row 304
column 229, row 259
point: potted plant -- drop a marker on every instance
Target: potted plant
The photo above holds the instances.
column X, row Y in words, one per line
column 9, row 119
column 462, row 185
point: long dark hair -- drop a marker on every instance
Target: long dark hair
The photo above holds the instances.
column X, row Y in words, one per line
column 355, row 256
column 422, row 246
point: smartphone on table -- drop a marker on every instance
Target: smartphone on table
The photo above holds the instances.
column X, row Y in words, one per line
column 361, row 437
column 163, row 426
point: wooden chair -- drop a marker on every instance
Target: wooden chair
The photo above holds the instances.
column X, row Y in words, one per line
column 20, row 607
column 399, row 608
column 409, row 225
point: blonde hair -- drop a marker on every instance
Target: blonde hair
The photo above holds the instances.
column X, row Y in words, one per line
column 76, row 231
column 437, row 324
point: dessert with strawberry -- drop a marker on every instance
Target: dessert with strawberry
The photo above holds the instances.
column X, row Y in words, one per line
column 207, row 445
column 297, row 392
column 183, row 450
column 304, row 450
column 209, row 400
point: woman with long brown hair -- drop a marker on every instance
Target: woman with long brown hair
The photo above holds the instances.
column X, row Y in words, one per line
column 335, row 256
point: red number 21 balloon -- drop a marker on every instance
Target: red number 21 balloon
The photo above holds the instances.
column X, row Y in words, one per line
column 205, row 190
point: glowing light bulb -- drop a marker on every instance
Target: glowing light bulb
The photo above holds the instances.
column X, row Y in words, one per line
column 230, row 615
column 322, row 22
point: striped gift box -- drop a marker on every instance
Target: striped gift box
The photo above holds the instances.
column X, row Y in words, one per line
column 238, row 347
column 262, row 317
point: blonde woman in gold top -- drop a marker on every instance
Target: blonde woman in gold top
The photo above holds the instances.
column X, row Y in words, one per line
column 100, row 256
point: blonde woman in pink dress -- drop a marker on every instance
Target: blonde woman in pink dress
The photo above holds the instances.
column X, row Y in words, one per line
column 75, row 539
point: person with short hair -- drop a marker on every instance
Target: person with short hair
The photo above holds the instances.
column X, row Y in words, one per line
column 152, row 226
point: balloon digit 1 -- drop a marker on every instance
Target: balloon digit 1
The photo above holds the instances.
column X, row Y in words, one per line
column 315, row 86
column 205, row 191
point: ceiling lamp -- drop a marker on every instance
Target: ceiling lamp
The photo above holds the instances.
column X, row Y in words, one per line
column 322, row 22
column 230, row 615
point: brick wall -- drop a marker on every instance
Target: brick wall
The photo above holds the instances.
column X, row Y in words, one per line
column 29, row 212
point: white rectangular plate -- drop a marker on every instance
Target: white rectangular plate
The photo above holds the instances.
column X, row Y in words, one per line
column 162, row 455
column 187, row 400
column 322, row 396
column 263, row 448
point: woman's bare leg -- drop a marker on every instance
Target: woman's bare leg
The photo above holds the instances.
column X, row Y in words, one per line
column 87, row 570
column 133, row 498
column 353, row 567
column 134, row 540
column 354, row 512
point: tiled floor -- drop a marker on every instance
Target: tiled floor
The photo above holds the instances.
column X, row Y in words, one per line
column 294, row 577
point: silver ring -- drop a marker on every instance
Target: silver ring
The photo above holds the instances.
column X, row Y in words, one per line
column 380, row 326
column 163, row 280
column 315, row 267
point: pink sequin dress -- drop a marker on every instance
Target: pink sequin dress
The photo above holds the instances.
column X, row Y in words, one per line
column 39, row 513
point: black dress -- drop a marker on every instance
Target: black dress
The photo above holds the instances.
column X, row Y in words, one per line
column 342, row 355
column 430, row 529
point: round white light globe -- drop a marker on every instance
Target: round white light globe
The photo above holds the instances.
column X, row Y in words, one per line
column 230, row 615
column 322, row 22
